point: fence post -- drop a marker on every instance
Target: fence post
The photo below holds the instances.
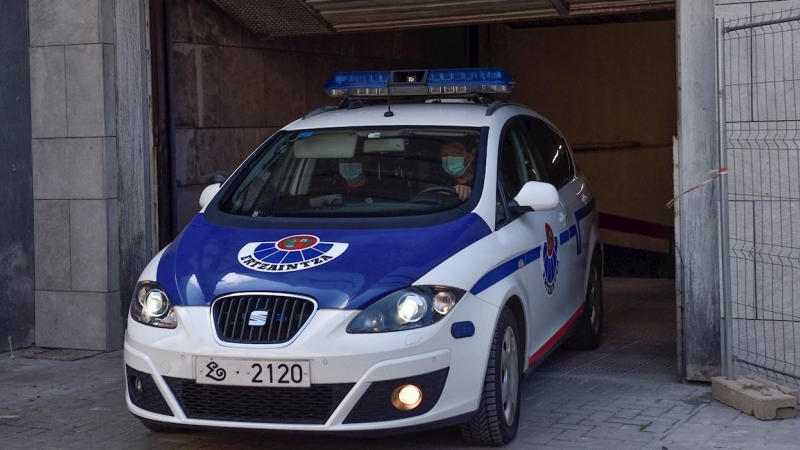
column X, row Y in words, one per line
column 727, row 338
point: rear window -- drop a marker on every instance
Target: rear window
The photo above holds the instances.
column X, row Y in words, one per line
column 364, row 172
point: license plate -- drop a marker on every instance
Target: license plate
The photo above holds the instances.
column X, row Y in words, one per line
column 255, row 373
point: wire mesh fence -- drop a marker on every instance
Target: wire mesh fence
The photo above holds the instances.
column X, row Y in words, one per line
column 760, row 70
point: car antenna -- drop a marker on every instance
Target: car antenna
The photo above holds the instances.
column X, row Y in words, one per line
column 388, row 113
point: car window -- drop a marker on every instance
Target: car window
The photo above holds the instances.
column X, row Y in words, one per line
column 500, row 209
column 551, row 150
column 363, row 172
column 530, row 157
column 512, row 163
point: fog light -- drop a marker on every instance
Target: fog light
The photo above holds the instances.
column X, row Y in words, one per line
column 135, row 388
column 406, row 397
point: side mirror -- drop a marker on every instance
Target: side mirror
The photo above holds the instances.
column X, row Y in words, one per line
column 218, row 177
column 208, row 193
column 537, row 196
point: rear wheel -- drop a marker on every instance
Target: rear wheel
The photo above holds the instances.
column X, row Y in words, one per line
column 497, row 419
column 590, row 325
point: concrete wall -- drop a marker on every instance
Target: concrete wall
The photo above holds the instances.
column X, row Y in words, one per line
column 16, row 188
column 604, row 84
column 133, row 146
column 232, row 90
column 697, row 231
column 74, row 161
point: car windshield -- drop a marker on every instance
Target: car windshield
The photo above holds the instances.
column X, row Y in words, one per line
column 363, row 172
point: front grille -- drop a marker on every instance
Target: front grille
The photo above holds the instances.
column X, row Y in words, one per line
column 150, row 398
column 312, row 405
column 376, row 403
column 281, row 318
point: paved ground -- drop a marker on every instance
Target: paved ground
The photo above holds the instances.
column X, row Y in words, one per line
column 622, row 396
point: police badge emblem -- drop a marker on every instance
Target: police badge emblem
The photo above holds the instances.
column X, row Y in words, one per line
column 549, row 260
column 289, row 254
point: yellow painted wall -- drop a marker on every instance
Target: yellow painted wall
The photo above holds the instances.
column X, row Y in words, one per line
column 635, row 183
column 599, row 84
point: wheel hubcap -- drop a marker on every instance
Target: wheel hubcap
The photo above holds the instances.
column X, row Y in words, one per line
column 509, row 375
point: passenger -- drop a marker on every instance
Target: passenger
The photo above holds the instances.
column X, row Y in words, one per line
column 457, row 162
column 354, row 180
column 358, row 179
column 352, row 173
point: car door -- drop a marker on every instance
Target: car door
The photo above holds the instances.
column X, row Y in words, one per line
column 559, row 169
column 543, row 277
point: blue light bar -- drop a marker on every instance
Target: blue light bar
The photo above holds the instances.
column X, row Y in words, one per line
column 420, row 82
column 446, row 77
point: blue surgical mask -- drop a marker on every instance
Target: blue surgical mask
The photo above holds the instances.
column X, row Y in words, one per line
column 454, row 165
column 350, row 171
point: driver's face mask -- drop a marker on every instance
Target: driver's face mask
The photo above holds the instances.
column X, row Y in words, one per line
column 350, row 171
column 454, row 165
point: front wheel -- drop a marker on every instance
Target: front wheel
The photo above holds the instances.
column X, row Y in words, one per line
column 497, row 419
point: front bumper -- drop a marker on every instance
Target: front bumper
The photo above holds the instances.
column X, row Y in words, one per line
column 344, row 366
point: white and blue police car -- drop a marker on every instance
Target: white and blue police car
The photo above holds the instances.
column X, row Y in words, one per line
column 397, row 262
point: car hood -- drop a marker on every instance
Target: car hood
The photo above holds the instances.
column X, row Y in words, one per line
column 339, row 268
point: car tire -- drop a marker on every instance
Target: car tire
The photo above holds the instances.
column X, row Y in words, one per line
column 161, row 427
column 497, row 419
column 589, row 328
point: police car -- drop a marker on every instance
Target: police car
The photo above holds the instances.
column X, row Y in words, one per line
column 397, row 262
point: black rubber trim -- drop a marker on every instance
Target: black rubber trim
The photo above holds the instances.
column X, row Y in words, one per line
column 151, row 399
column 307, row 406
column 376, row 403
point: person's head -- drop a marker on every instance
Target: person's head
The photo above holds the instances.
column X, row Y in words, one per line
column 455, row 158
column 351, row 169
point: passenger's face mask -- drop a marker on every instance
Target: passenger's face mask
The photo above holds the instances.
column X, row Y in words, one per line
column 350, row 171
column 454, row 165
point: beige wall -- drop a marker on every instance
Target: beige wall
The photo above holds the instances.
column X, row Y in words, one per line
column 636, row 184
column 601, row 84
column 232, row 90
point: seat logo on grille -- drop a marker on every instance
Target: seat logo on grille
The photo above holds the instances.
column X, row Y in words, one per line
column 289, row 254
column 258, row 318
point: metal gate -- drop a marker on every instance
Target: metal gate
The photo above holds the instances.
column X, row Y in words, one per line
column 758, row 69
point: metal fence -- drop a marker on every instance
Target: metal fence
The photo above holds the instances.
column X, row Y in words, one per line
column 759, row 65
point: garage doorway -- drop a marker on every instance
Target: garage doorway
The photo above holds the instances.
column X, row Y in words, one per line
column 608, row 82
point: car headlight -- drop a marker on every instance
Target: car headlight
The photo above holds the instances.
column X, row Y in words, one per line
column 150, row 306
column 411, row 307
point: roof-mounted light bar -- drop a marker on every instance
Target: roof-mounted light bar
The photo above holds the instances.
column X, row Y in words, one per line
column 456, row 82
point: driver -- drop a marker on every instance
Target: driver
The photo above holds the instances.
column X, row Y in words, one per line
column 458, row 163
